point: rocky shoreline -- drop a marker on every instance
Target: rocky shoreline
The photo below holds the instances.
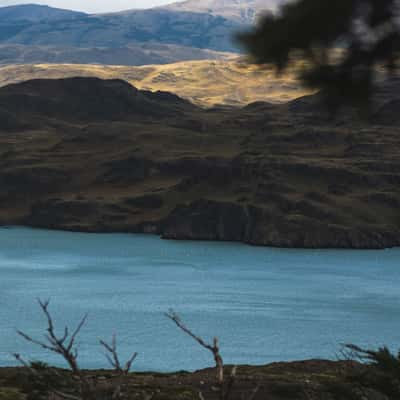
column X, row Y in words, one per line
column 215, row 223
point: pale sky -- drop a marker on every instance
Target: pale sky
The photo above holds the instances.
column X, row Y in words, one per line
column 91, row 6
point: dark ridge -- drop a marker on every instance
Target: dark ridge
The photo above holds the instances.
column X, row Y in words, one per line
column 87, row 98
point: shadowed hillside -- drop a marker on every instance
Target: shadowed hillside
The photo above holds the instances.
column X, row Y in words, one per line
column 86, row 154
column 132, row 54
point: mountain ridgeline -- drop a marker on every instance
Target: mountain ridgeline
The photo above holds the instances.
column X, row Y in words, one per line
column 122, row 29
column 39, row 34
column 34, row 13
column 94, row 155
column 40, row 25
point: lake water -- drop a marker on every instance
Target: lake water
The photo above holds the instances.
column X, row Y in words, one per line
column 264, row 304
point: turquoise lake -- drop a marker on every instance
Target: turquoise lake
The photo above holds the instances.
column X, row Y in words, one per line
column 264, row 304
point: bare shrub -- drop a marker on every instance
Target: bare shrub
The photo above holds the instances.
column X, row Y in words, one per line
column 65, row 346
column 224, row 386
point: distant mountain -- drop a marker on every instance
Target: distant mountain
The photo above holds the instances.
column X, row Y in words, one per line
column 192, row 29
column 36, row 13
column 243, row 11
column 134, row 54
column 119, row 30
column 133, row 37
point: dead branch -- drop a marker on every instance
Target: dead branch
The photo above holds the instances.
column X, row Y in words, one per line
column 113, row 357
column 23, row 362
column 224, row 387
column 63, row 345
column 213, row 348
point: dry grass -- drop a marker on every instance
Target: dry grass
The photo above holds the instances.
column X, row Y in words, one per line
column 206, row 83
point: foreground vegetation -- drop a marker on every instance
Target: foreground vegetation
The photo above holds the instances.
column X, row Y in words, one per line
column 314, row 379
column 360, row 375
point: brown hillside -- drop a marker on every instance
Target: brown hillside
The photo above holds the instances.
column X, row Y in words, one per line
column 135, row 161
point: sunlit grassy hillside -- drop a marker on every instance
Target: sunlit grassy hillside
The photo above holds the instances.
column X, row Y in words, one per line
column 205, row 83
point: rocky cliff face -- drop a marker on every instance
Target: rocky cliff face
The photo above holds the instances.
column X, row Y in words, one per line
column 206, row 220
column 102, row 156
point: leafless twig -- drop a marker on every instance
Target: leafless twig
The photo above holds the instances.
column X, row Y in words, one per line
column 224, row 386
column 213, row 348
column 64, row 346
column 224, row 392
column 113, row 357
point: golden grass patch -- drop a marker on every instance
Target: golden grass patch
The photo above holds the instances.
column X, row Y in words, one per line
column 205, row 83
